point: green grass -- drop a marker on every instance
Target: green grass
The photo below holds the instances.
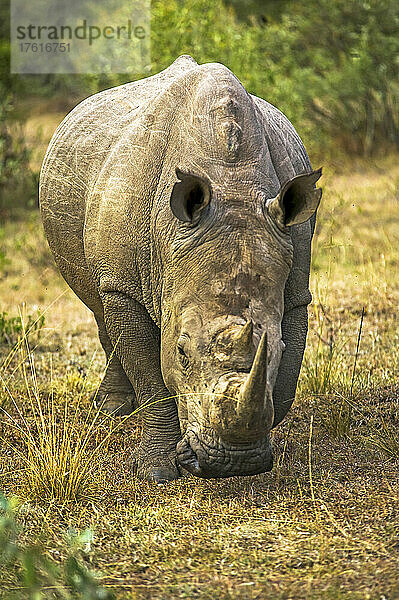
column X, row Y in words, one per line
column 323, row 524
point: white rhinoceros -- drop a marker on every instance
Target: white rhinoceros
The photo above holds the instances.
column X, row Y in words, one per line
column 181, row 209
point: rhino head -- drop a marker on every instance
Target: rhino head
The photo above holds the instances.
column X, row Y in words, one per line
column 221, row 333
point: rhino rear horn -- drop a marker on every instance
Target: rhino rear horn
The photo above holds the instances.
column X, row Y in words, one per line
column 243, row 340
column 189, row 197
column 297, row 200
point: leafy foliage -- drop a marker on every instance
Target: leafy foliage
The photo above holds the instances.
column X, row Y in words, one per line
column 38, row 577
column 11, row 328
column 332, row 68
column 17, row 181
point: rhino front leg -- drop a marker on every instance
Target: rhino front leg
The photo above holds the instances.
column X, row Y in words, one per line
column 137, row 344
column 294, row 330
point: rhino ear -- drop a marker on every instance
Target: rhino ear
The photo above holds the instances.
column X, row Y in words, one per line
column 297, row 200
column 189, row 197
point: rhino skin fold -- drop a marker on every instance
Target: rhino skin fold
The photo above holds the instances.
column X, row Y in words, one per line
column 181, row 209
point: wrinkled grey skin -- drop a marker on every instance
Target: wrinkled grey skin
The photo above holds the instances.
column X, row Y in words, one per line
column 175, row 212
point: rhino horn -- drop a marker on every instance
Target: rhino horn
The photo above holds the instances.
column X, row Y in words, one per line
column 255, row 403
column 243, row 340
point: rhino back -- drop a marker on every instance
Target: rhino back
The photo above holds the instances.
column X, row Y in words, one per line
column 79, row 149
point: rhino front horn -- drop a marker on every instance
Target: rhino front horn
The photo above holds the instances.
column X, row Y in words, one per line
column 255, row 403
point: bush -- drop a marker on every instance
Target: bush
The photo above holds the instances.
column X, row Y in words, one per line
column 332, row 68
column 17, row 182
column 12, row 328
column 38, row 577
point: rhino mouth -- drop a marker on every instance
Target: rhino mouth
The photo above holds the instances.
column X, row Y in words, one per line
column 206, row 456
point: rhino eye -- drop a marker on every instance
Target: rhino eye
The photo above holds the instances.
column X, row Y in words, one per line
column 182, row 356
column 182, row 352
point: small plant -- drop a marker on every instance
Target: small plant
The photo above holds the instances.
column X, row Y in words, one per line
column 36, row 576
column 13, row 328
column 329, row 376
column 323, row 366
column 59, row 447
column 337, row 415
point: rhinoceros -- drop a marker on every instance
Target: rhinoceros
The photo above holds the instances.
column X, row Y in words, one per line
column 180, row 209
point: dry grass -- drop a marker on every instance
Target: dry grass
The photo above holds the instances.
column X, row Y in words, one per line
column 56, row 445
column 58, row 442
column 324, row 523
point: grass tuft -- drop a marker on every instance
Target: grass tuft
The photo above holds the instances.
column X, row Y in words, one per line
column 327, row 374
column 59, row 443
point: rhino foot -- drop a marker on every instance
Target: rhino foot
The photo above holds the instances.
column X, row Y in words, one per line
column 155, row 465
column 117, row 404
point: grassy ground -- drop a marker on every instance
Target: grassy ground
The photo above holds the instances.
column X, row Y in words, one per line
column 323, row 524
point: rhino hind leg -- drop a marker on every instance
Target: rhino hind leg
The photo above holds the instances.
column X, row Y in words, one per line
column 115, row 394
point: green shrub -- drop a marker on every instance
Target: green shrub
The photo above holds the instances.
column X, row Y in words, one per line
column 17, row 182
column 37, row 577
column 13, row 328
column 332, row 68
